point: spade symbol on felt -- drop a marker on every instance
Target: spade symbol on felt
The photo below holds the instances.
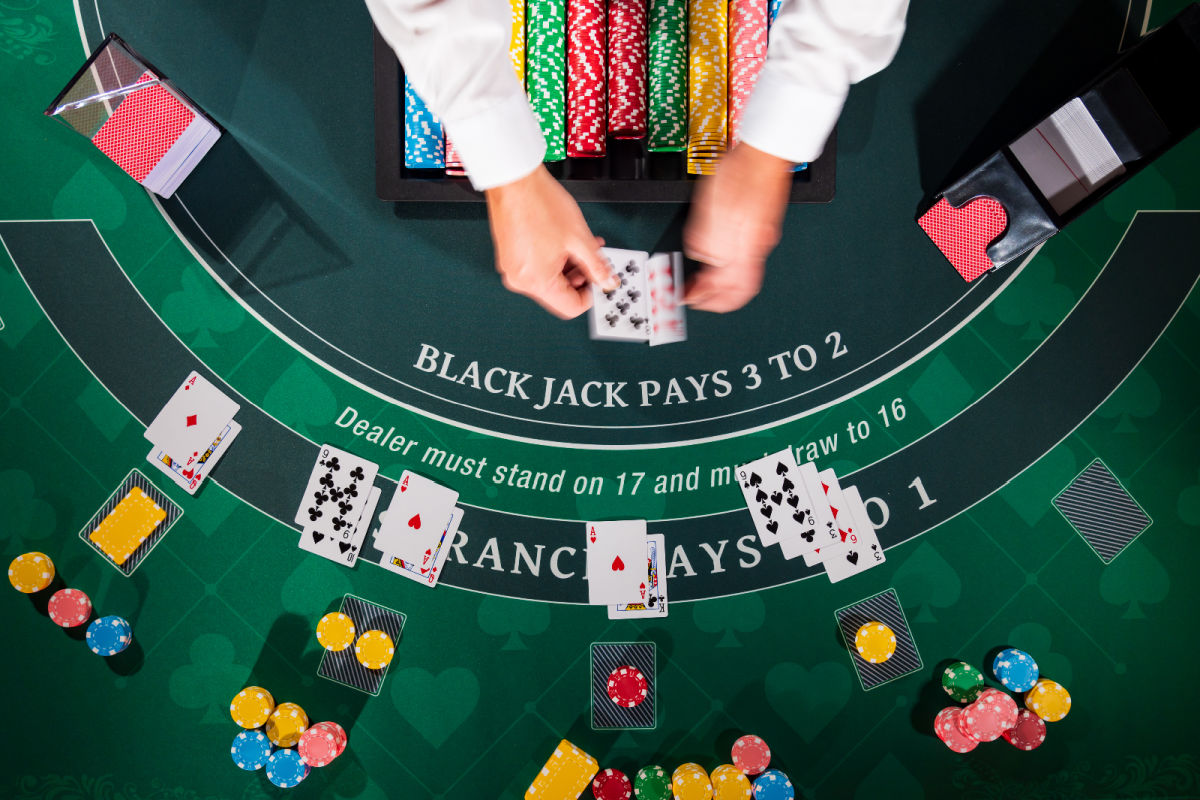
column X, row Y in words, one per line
column 755, row 479
column 787, row 485
column 415, row 522
column 618, row 565
column 781, row 468
column 852, row 557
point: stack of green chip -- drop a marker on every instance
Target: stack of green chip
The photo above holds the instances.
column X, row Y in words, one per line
column 652, row 783
column 546, row 72
column 668, row 34
column 962, row 682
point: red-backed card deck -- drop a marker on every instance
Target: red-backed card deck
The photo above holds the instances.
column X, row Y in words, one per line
column 963, row 234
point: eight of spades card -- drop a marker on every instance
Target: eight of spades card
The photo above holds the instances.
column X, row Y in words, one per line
column 778, row 503
column 337, row 491
column 616, row 558
column 343, row 547
column 655, row 604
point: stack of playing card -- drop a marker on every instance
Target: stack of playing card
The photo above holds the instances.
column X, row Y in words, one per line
column 416, row 532
column 135, row 117
column 338, row 505
column 626, row 569
column 807, row 513
column 648, row 305
column 192, row 432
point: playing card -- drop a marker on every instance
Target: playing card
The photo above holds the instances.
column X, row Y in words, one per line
column 861, row 550
column 616, row 555
column 664, row 281
column 344, row 547
column 427, row 575
column 416, row 520
column 778, row 503
column 623, row 313
column 827, row 532
column 337, row 489
column 191, row 473
column 143, row 127
column 655, row 604
column 192, row 419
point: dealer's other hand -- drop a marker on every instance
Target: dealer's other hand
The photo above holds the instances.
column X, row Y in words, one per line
column 544, row 248
column 735, row 222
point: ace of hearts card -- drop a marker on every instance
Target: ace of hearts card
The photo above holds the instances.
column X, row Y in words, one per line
column 616, row 561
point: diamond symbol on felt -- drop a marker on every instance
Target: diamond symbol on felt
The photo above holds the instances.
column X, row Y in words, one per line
column 191, row 420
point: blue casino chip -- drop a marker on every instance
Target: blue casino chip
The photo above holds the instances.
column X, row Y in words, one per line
column 773, row 785
column 251, row 750
column 285, row 769
column 424, row 141
column 109, row 635
column 1016, row 669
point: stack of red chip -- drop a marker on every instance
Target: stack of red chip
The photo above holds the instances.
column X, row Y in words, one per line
column 322, row 743
column 454, row 165
column 69, row 608
column 1029, row 731
column 946, row 726
column 586, row 111
column 751, row 754
column 612, row 784
column 627, row 686
column 627, row 56
column 989, row 716
column 747, row 54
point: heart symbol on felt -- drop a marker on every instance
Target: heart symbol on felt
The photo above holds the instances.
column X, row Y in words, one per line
column 963, row 234
column 808, row 700
column 618, row 565
column 415, row 522
column 457, row 690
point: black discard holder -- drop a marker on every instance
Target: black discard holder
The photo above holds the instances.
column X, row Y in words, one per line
column 1144, row 103
column 627, row 174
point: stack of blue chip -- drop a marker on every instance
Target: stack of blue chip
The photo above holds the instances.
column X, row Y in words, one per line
column 286, row 769
column 1016, row 669
column 424, row 142
column 251, row 750
column 109, row 635
column 773, row 785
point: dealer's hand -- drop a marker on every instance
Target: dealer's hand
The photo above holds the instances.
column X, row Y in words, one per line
column 735, row 222
column 544, row 248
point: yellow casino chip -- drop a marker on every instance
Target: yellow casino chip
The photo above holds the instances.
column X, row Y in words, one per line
column 374, row 650
column 252, row 707
column 31, row 572
column 567, row 773
column 287, row 722
column 127, row 526
column 1049, row 700
column 335, row 631
column 875, row 642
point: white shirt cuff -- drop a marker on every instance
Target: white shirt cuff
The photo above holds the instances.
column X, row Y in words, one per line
column 789, row 121
column 499, row 145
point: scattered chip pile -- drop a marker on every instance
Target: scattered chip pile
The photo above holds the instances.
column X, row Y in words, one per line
column 569, row 771
column 991, row 714
column 287, row 747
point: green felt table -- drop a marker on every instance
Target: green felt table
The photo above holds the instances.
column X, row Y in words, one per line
column 959, row 410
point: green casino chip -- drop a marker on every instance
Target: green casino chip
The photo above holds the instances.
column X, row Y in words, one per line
column 962, row 682
column 668, row 76
column 652, row 783
column 546, row 72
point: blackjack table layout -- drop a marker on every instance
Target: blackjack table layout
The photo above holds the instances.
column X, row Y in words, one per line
column 968, row 415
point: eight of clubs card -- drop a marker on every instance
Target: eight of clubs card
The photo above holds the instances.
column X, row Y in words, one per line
column 192, row 419
column 616, row 562
column 416, row 520
column 655, row 603
column 337, row 490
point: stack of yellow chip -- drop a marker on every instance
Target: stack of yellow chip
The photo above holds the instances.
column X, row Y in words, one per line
column 1049, row 700
column 252, row 707
column 708, row 79
column 31, row 572
column 127, row 526
column 374, row 650
column 287, row 722
column 335, row 631
column 730, row 783
column 691, row 782
column 516, row 41
column 567, row 773
column 875, row 642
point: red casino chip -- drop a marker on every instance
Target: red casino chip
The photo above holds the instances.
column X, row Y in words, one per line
column 627, row 686
column 946, row 726
column 747, row 55
column 989, row 716
column 586, row 110
column 751, row 754
column 612, row 784
column 1028, row 733
column 69, row 608
column 628, row 54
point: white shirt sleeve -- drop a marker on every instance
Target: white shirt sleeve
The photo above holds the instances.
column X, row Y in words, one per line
column 817, row 49
column 455, row 53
